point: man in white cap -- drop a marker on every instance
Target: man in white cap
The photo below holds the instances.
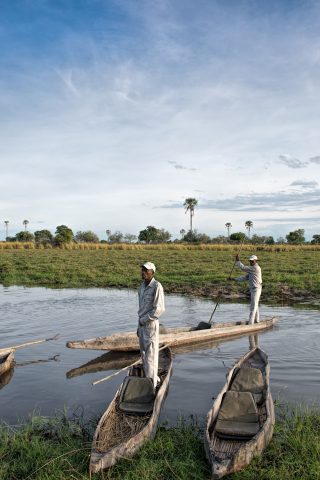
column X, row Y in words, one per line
column 253, row 275
column 151, row 306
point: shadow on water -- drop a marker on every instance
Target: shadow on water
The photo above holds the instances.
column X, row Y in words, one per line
column 6, row 377
column 55, row 358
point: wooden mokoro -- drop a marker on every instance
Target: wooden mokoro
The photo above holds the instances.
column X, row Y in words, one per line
column 118, row 360
column 6, row 360
column 230, row 455
column 121, row 435
column 128, row 341
column 6, row 377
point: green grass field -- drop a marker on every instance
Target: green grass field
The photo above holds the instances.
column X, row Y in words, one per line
column 58, row 449
column 289, row 273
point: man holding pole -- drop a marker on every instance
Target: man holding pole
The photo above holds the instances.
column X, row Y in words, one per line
column 253, row 275
column 151, row 306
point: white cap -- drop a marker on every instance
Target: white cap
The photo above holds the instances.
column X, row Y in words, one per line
column 253, row 257
column 149, row 266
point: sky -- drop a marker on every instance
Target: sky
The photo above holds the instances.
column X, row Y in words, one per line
column 113, row 112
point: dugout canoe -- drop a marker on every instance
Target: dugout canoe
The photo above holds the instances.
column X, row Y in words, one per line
column 118, row 360
column 6, row 360
column 120, row 434
column 128, row 341
column 241, row 422
column 6, row 377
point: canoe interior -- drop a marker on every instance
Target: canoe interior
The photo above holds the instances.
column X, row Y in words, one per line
column 226, row 455
column 117, row 427
column 4, row 357
column 225, row 449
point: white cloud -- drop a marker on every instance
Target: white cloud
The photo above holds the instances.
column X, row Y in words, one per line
column 292, row 162
column 124, row 107
column 315, row 159
column 305, row 184
column 178, row 166
column 290, row 200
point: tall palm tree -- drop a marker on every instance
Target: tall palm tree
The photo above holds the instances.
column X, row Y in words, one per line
column 228, row 225
column 25, row 223
column 190, row 204
column 6, row 222
column 248, row 226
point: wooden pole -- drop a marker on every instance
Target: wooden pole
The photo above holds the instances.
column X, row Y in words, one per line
column 229, row 278
column 234, row 263
column 128, row 366
column 32, row 343
column 116, row 373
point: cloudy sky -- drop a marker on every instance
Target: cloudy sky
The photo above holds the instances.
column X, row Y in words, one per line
column 114, row 111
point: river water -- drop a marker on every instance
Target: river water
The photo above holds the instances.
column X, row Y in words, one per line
column 45, row 380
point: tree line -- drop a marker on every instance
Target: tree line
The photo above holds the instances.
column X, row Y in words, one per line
column 152, row 235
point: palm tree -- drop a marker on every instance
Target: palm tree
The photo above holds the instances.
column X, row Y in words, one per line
column 228, row 225
column 248, row 226
column 190, row 203
column 6, row 222
column 25, row 223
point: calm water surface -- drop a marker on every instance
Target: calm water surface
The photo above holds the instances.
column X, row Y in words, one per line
column 41, row 384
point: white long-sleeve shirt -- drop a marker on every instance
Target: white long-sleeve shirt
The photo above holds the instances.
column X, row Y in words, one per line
column 253, row 275
column 151, row 301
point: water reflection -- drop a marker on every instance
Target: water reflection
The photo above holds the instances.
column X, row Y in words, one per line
column 107, row 361
column 55, row 358
column 253, row 341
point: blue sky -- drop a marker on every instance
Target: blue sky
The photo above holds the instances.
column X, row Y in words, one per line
column 113, row 112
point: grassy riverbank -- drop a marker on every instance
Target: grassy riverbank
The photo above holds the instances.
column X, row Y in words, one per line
column 290, row 273
column 58, row 449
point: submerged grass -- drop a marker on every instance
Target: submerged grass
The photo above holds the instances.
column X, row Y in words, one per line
column 58, row 449
column 288, row 273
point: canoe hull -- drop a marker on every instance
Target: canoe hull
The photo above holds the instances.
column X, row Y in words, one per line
column 174, row 336
column 126, row 449
column 6, row 361
column 244, row 451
